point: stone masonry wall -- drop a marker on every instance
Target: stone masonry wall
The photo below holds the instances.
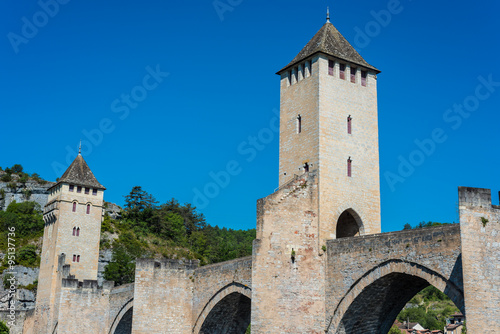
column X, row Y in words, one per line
column 288, row 293
column 480, row 231
column 163, row 296
column 84, row 307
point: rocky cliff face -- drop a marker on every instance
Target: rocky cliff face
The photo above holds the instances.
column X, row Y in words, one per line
column 20, row 192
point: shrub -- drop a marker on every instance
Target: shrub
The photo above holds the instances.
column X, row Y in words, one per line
column 28, row 257
column 3, row 328
column 17, row 168
column 24, row 178
column 12, row 186
column 7, row 281
column 6, row 178
column 27, row 193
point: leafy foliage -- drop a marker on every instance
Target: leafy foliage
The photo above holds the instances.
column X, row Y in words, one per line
column 430, row 308
column 3, row 328
column 169, row 230
column 26, row 217
column 423, row 224
column 395, row 330
column 28, row 257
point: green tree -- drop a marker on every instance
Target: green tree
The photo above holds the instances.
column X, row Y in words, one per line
column 121, row 269
column 395, row 330
column 3, row 328
column 17, row 168
column 26, row 217
column 28, row 257
column 139, row 205
column 407, row 227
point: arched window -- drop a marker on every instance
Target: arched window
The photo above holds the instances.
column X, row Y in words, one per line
column 78, row 258
column 349, row 167
column 74, row 206
column 74, row 230
column 88, row 208
column 74, row 257
column 349, row 124
column 299, row 123
column 78, row 232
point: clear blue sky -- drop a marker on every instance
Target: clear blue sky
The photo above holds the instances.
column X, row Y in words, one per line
column 66, row 76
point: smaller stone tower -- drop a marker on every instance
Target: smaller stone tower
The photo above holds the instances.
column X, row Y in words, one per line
column 72, row 218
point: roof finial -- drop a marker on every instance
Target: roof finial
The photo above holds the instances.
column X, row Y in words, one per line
column 80, row 147
column 327, row 14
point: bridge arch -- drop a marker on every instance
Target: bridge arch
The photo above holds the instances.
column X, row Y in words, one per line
column 228, row 311
column 373, row 302
column 122, row 323
column 349, row 224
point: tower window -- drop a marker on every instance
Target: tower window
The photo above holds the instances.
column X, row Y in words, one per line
column 74, row 231
column 295, row 75
column 349, row 124
column 71, row 187
column 299, row 123
column 94, row 192
column 78, row 258
column 353, row 74
column 78, row 232
column 364, row 74
column 87, row 191
column 88, row 208
column 331, row 64
column 78, row 189
column 342, row 71
column 349, row 167
column 289, row 76
column 306, row 167
column 307, row 68
column 74, row 257
column 74, row 206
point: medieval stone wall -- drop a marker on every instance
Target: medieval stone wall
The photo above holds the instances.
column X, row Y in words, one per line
column 480, row 232
column 163, row 294
column 288, row 272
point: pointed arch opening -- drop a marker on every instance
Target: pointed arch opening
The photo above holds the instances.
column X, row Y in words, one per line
column 374, row 305
column 230, row 315
column 349, row 224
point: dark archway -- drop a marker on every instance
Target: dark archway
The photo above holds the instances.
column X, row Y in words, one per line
column 348, row 225
column 230, row 315
column 125, row 324
column 376, row 307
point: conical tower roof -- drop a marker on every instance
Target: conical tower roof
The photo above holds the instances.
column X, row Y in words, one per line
column 328, row 40
column 79, row 173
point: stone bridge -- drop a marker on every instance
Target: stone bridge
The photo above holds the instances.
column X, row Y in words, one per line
column 360, row 283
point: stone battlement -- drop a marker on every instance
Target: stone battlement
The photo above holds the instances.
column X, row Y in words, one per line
column 73, row 283
column 152, row 264
column 476, row 197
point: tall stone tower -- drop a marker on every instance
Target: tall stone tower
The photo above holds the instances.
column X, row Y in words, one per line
column 329, row 182
column 329, row 125
column 72, row 218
